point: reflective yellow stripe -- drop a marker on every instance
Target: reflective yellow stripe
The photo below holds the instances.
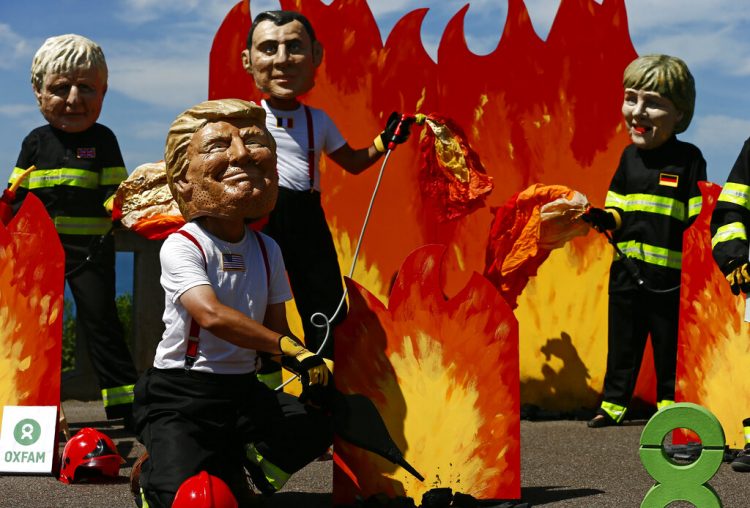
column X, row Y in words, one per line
column 647, row 203
column 15, row 175
column 272, row 380
column 664, row 403
column 617, row 413
column 615, row 200
column 736, row 193
column 72, row 177
column 82, row 225
column 694, row 206
column 109, row 203
column 117, row 396
column 746, row 430
column 651, row 254
column 731, row 231
column 113, row 175
column 275, row 476
column 144, row 503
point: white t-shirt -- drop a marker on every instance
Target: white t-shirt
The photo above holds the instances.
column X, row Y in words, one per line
column 289, row 130
column 245, row 290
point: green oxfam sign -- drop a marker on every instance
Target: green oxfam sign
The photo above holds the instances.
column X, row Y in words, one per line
column 27, row 432
column 676, row 482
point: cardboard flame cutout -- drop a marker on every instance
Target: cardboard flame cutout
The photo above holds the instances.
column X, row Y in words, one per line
column 32, row 265
column 713, row 335
column 453, row 363
column 534, row 110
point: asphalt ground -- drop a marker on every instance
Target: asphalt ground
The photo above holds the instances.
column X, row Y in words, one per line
column 563, row 464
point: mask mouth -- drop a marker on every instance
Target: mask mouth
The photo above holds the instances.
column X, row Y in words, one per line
column 234, row 175
column 641, row 129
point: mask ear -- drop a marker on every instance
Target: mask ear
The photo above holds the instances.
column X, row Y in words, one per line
column 246, row 62
column 184, row 189
column 37, row 94
column 317, row 53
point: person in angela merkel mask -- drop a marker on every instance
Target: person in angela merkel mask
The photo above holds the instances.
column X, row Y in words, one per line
column 653, row 198
column 201, row 407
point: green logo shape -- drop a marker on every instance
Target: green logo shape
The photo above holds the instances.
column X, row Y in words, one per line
column 27, row 432
column 682, row 482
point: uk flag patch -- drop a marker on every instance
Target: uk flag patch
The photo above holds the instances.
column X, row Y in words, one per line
column 86, row 153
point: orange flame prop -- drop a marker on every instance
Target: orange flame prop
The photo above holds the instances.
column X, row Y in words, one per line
column 452, row 179
column 31, row 308
column 453, row 363
column 713, row 335
column 519, row 243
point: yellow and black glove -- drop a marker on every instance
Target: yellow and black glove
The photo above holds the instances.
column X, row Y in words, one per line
column 307, row 364
column 396, row 132
column 739, row 277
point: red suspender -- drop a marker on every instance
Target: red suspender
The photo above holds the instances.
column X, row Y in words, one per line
column 193, row 340
column 191, row 353
column 310, row 148
column 263, row 251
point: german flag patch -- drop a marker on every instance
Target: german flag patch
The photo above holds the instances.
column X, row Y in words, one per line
column 669, row 180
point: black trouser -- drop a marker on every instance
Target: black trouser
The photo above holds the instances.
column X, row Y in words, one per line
column 632, row 316
column 298, row 225
column 92, row 283
column 193, row 421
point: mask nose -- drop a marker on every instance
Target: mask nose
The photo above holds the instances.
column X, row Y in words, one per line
column 282, row 55
column 73, row 97
column 238, row 152
column 640, row 109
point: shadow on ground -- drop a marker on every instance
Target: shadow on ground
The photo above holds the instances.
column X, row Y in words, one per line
column 297, row 500
column 542, row 495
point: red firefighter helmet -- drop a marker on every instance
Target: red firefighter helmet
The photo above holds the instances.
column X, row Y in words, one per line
column 91, row 455
column 204, row 491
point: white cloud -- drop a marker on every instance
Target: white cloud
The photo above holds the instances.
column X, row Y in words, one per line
column 166, row 71
column 542, row 13
column 720, row 133
column 13, row 47
column 649, row 16
column 151, row 129
column 719, row 49
column 165, row 82
column 144, row 11
column 257, row 6
column 17, row 110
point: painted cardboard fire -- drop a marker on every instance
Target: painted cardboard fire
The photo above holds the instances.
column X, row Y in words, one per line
column 32, row 264
column 713, row 335
column 443, row 373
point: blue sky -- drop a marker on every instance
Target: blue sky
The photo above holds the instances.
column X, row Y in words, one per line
column 157, row 52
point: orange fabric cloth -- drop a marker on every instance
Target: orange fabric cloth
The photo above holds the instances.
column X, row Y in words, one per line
column 522, row 235
column 451, row 178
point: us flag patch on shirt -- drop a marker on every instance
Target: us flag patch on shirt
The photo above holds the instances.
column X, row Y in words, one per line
column 232, row 262
column 86, row 153
column 668, row 179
